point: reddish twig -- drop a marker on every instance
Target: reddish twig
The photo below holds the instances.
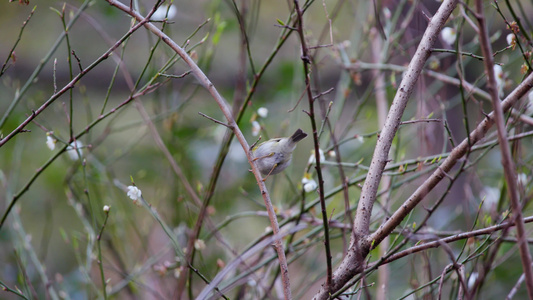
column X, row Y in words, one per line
column 507, row 161
column 306, row 60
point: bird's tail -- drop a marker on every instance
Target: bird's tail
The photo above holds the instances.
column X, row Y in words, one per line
column 298, row 136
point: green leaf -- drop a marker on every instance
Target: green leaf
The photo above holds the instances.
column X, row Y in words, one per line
column 218, row 32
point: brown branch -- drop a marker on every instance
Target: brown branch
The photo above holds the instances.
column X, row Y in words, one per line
column 11, row 54
column 216, row 121
column 382, row 107
column 360, row 243
column 380, row 158
column 478, row 133
column 507, row 161
column 306, row 60
column 420, row 121
column 226, row 110
column 447, row 240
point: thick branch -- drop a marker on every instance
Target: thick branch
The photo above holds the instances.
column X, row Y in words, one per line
column 450, row 239
column 447, row 165
column 381, row 153
column 360, row 245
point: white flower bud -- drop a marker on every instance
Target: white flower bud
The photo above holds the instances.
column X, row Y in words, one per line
column 449, row 35
column 262, row 112
column 135, row 194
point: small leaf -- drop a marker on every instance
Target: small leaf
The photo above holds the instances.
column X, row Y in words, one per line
column 218, row 33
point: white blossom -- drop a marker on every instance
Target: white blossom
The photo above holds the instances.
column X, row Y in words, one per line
column 312, row 158
column 161, row 13
column 199, row 245
column 50, row 142
column 135, row 194
column 262, row 112
column 74, row 148
column 106, row 208
column 256, row 128
column 472, row 280
column 511, row 39
column 522, row 179
column 309, row 184
column 449, row 35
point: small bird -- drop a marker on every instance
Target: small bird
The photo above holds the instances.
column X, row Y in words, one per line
column 274, row 155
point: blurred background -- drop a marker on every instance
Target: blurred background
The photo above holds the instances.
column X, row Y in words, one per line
column 252, row 54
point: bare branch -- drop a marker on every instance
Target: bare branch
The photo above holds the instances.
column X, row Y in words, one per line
column 360, row 245
column 226, row 110
column 507, row 160
column 215, row 120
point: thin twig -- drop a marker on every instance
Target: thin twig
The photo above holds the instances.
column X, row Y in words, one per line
column 323, row 93
column 215, row 120
column 299, row 100
column 78, row 60
column 515, row 288
column 175, row 76
column 69, row 86
column 451, row 239
column 54, row 75
column 39, row 171
column 320, row 46
column 507, row 161
column 448, row 163
column 224, row 149
column 481, row 58
column 224, row 107
column 360, row 243
column 11, row 53
column 39, row 68
column 305, row 63
column 100, row 260
column 420, row 121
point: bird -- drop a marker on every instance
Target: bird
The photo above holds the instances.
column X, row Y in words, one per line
column 274, row 155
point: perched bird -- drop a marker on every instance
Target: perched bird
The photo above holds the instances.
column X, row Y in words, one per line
column 274, row 155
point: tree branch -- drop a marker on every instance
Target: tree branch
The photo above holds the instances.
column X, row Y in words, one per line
column 447, row 164
column 306, row 60
column 507, row 161
column 226, row 110
column 360, row 245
